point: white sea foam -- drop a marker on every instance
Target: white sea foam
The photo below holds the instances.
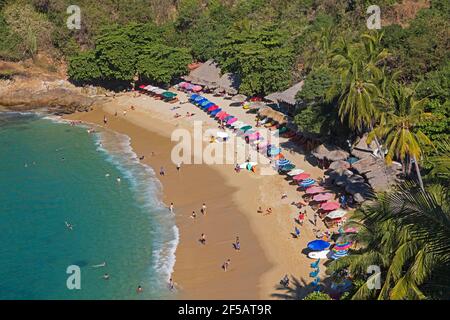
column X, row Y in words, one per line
column 147, row 189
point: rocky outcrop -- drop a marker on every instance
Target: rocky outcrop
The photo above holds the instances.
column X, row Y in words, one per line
column 57, row 100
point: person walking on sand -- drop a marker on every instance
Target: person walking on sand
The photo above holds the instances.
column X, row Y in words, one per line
column 161, row 171
column 171, row 284
column 203, row 209
column 225, row 265
column 203, row 239
column 178, row 167
column 315, row 218
column 268, row 211
column 105, row 120
column 193, row 215
column 171, row 207
column 237, row 244
column 301, row 218
column 297, row 233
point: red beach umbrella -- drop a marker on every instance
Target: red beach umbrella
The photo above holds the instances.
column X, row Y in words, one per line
column 213, row 108
column 302, row 176
column 330, row 206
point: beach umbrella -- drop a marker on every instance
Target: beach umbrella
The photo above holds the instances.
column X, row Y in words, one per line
column 301, row 176
column 330, row 206
column 295, row 172
column 193, row 96
column 351, row 230
column 287, row 167
column 214, row 112
column 245, row 128
column 142, row 86
column 239, row 98
column 204, row 103
column 169, row 94
column 237, row 124
column 315, row 190
column 199, row 99
column 254, row 136
column 220, row 114
column 339, row 254
column 208, row 105
column 159, row 91
column 232, row 120
column 228, row 117
column 352, row 160
column 278, row 156
column 282, row 162
column 318, row 245
column 323, row 197
column 274, row 151
column 342, row 246
column 336, row 214
column 307, row 183
column 197, row 88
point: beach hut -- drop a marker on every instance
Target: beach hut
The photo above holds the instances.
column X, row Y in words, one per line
column 239, row 98
column 287, row 98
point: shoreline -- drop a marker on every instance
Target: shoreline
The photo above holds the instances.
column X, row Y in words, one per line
column 197, row 270
column 273, row 251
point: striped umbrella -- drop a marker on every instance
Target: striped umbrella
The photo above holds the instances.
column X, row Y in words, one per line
column 274, row 151
column 283, row 162
column 287, row 167
column 306, row 183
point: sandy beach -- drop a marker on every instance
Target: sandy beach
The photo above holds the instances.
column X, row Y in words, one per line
column 268, row 248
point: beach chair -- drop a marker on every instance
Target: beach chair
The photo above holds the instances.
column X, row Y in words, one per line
column 315, row 264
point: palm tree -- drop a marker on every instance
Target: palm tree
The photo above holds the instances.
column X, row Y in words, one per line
column 398, row 129
column 360, row 73
column 405, row 233
column 441, row 161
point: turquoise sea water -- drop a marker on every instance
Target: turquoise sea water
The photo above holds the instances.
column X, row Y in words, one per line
column 52, row 172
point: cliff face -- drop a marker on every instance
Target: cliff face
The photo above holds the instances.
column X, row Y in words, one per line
column 26, row 87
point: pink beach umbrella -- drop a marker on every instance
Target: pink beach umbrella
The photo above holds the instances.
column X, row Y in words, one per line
column 214, row 107
column 182, row 84
column 232, row 120
column 330, row 206
column 314, row 190
column 223, row 116
column 323, row 197
column 197, row 88
column 301, row 176
column 220, row 114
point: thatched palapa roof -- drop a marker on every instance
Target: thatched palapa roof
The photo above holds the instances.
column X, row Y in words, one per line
column 286, row 96
column 210, row 75
column 273, row 114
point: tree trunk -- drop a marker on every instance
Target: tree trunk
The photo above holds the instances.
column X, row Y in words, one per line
column 419, row 176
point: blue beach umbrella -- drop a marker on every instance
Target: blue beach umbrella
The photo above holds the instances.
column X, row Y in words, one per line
column 318, row 245
column 274, row 151
column 287, row 167
column 352, row 160
column 208, row 105
column 204, row 103
column 193, row 96
column 199, row 99
column 215, row 112
column 283, row 162
column 228, row 118
column 308, row 182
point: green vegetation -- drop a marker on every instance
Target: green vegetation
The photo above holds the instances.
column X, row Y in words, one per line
column 405, row 233
column 317, row 296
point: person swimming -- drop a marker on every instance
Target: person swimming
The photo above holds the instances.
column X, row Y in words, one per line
column 68, row 225
column 101, row 265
